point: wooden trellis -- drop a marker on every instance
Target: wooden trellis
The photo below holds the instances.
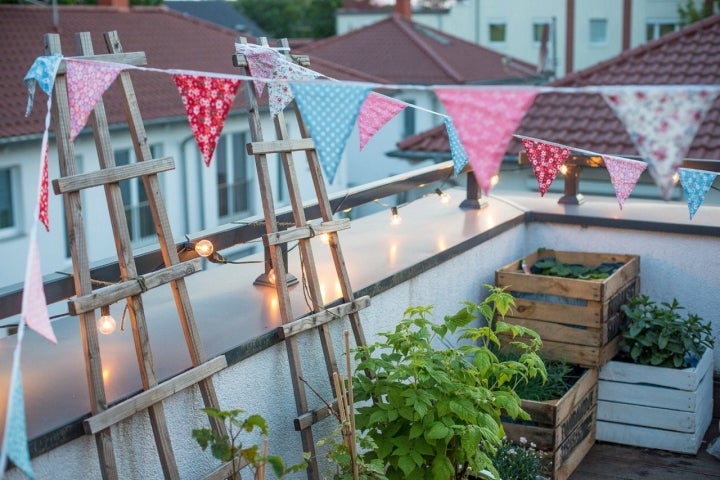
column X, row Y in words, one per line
column 131, row 286
column 301, row 232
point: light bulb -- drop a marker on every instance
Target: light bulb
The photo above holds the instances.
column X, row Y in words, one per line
column 106, row 323
column 325, row 238
column 396, row 218
column 444, row 197
column 494, row 180
column 563, row 169
column 676, row 178
column 204, row 248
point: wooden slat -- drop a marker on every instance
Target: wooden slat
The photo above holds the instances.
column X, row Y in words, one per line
column 308, row 419
column 112, row 175
column 322, row 317
column 113, row 293
column 280, row 146
column 136, row 59
column 225, row 471
column 307, row 231
column 154, row 395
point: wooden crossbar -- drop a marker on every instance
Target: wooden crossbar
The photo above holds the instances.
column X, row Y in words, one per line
column 324, row 316
column 137, row 59
column 307, row 231
column 278, row 146
column 112, row 175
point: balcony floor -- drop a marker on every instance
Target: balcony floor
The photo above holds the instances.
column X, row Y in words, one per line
column 609, row 461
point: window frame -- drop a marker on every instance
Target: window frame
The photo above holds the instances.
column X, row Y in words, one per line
column 229, row 146
column 497, row 22
column 15, row 199
column 598, row 43
column 657, row 24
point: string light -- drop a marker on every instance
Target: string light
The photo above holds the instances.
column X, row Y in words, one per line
column 204, row 248
column 396, row 218
column 444, row 197
column 494, row 180
column 106, row 323
column 563, row 169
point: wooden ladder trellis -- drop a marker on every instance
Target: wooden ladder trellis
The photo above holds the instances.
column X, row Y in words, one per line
column 131, row 285
column 302, row 231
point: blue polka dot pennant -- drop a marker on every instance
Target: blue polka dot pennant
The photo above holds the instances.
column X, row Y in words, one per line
column 330, row 110
column 695, row 184
column 459, row 157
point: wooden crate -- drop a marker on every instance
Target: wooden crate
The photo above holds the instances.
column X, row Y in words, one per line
column 578, row 320
column 563, row 428
column 655, row 407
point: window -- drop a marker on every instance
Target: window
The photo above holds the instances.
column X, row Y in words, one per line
column 137, row 209
column 409, row 119
column 232, row 176
column 657, row 28
column 497, row 31
column 598, row 31
column 537, row 31
column 9, row 202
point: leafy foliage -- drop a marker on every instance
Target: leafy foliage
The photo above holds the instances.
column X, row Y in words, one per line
column 434, row 408
column 230, row 447
column 657, row 334
column 292, row 18
column 561, row 376
column 690, row 12
column 519, row 461
column 552, row 266
column 339, row 455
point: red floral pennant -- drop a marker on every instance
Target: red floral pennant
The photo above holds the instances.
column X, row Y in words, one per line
column 207, row 102
column 546, row 159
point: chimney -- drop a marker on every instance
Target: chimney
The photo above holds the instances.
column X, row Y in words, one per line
column 403, row 8
column 121, row 4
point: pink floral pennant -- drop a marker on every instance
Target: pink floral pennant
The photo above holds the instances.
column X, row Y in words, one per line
column 207, row 101
column 546, row 159
column 375, row 113
column 86, row 83
column 624, row 174
column 695, row 184
column 34, row 305
column 662, row 124
column 262, row 62
column 485, row 120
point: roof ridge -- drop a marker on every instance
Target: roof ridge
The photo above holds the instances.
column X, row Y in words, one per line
column 417, row 40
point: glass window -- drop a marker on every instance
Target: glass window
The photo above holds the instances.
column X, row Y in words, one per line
column 9, row 202
column 537, row 30
column 137, row 208
column 657, row 28
column 598, row 31
column 497, row 32
column 232, row 176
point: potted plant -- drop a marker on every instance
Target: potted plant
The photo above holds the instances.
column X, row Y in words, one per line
column 657, row 392
column 431, row 394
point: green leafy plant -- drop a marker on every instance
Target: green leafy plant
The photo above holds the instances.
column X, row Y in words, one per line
column 658, row 334
column 340, row 456
column 553, row 267
column 229, row 448
column 435, row 391
column 561, row 376
column 521, row 461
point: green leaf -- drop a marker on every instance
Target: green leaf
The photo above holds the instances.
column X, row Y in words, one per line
column 442, row 468
column 437, row 431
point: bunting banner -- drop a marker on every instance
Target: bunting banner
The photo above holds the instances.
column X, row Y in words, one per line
column 695, row 184
column 34, row 305
column 662, row 124
column 330, row 110
column 485, row 120
column 279, row 91
column 44, row 195
column 207, row 101
column 42, row 72
column 546, row 159
column 457, row 152
column 375, row 113
column 624, row 174
column 262, row 63
column 86, row 83
column 15, row 442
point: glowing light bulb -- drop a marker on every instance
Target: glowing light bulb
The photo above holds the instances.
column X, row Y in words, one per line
column 325, row 238
column 444, row 197
column 106, row 323
column 494, row 180
column 396, row 218
column 564, row 169
column 676, row 178
column 271, row 276
column 204, row 248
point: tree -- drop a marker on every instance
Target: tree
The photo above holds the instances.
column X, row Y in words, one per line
column 690, row 12
column 292, row 18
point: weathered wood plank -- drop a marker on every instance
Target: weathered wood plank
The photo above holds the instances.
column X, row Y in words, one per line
column 137, row 59
column 322, row 317
column 153, row 395
column 112, row 174
column 280, row 146
column 113, row 293
column 307, row 231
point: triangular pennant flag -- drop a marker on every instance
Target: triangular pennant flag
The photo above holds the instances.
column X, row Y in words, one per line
column 546, row 159
column 662, row 124
column 485, row 120
column 207, row 102
column 43, row 207
column 34, row 305
column 375, row 113
column 695, row 184
column 86, row 83
column 330, row 110
column 15, row 442
column 42, row 72
column 279, row 92
column 457, row 152
column 624, row 174
column 262, row 62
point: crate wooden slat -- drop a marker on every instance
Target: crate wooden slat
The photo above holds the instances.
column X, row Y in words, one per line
column 578, row 320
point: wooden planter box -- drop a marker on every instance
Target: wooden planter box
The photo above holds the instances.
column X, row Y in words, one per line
column 563, row 428
column 578, row 320
column 655, row 407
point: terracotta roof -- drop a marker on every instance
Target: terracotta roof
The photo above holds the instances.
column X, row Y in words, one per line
column 688, row 56
column 402, row 51
column 169, row 39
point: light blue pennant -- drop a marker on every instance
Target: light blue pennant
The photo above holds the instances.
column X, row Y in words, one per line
column 15, row 441
column 695, row 184
column 330, row 110
column 42, row 72
column 459, row 157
